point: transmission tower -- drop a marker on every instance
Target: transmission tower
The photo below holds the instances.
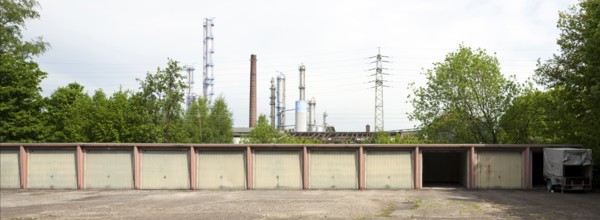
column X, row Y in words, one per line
column 207, row 73
column 379, row 89
column 191, row 96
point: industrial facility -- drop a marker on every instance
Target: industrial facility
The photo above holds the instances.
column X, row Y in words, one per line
column 270, row 166
column 303, row 122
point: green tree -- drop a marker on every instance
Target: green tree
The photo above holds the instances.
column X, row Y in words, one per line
column 574, row 73
column 408, row 139
column 197, row 126
column 382, row 137
column 385, row 138
column 574, row 77
column 67, row 114
column 536, row 117
column 220, row 123
column 137, row 123
column 163, row 94
column 464, row 98
column 103, row 120
column 20, row 77
column 263, row 133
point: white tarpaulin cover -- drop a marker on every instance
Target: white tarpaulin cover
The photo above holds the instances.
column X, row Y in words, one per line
column 556, row 158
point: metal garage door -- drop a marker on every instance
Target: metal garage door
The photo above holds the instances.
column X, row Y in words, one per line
column 333, row 170
column 9, row 169
column 499, row 169
column 162, row 169
column 108, row 169
column 52, row 169
column 277, row 170
column 389, row 170
column 221, row 170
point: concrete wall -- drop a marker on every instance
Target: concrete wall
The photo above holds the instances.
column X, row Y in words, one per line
column 260, row 166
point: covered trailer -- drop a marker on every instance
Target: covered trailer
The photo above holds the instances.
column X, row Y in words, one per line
column 568, row 168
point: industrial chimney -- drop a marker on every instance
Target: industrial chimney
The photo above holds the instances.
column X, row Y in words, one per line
column 252, row 91
column 272, row 102
column 312, row 116
column 302, row 87
column 301, row 104
column 324, row 121
column 281, row 102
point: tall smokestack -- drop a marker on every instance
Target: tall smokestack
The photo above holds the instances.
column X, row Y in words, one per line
column 281, row 102
column 302, row 81
column 324, row 121
column 252, row 90
column 312, row 116
column 273, row 102
column 301, row 104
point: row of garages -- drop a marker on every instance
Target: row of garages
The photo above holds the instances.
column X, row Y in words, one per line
column 264, row 167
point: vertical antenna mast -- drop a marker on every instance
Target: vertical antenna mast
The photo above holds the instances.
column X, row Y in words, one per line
column 208, row 74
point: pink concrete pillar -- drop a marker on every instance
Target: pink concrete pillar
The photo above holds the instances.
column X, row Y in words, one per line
column 305, row 180
column 361, row 170
column 473, row 167
column 79, row 153
column 23, row 158
column 417, row 168
column 249, row 168
column 193, row 169
column 526, row 168
column 136, row 167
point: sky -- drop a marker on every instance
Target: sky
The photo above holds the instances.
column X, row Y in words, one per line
column 109, row 44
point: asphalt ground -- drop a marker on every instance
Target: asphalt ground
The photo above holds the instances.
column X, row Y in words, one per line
column 431, row 203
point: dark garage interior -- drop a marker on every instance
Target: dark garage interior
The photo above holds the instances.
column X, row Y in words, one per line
column 537, row 168
column 445, row 168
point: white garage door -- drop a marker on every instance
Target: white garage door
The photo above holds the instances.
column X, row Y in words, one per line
column 9, row 169
column 277, row 170
column 221, row 169
column 499, row 169
column 108, row 169
column 162, row 169
column 333, row 169
column 389, row 170
column 52, row 169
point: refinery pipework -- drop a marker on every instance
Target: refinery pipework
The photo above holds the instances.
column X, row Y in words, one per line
column 272, row 98
column 312, row 120
column 301, row 104
column 207, row 68
column 281, row 102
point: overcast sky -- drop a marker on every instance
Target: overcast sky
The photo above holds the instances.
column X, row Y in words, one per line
column 108, row 44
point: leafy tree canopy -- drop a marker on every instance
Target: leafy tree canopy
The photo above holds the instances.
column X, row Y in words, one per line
column 574, row 73
column 464, row 98
column 20, row 98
